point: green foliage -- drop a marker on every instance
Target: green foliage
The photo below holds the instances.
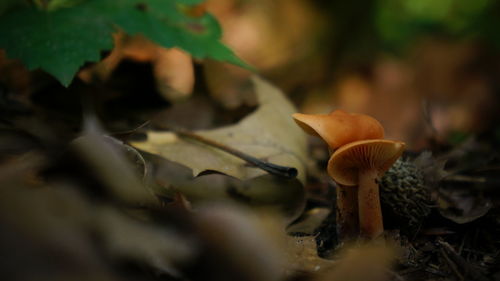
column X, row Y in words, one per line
column 58, row 4
column 400, row 22
column 65, row 34
column 58, row 42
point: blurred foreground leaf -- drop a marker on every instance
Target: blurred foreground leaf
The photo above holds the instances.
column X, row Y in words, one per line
column 126, row 238
column 58, row 232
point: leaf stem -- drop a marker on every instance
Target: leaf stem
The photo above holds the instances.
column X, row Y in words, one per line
column 273, row 169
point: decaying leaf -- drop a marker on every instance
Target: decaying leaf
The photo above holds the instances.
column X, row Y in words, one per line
column 269, row 134
column 460, row 206
column 282, row 196
column 285, row 197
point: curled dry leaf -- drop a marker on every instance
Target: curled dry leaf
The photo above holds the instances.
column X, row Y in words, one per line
column 462, row 206
column 282, row 196
column 109, row 162
column 269, row 133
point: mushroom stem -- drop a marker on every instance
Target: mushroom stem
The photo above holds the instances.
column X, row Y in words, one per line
column 347, row 212
column 370, row 212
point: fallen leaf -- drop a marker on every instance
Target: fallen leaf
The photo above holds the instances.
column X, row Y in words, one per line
column 285, row 197
column 461, row 206
column 269, row 134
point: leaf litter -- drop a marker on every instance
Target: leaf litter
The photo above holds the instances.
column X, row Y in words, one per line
column 130, row 234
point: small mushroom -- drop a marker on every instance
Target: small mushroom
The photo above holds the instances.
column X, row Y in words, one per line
column 361, row 164
column 339, row 127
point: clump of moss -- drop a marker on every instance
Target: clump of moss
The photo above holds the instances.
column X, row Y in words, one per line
column 404, row 194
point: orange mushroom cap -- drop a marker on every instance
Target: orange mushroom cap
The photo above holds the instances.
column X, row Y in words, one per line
column 339, row 127
column 345, row 163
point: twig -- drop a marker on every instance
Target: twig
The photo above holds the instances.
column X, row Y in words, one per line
column 447, row 249
column 273, row 169
column 467, row 179
column 426, row 111
column 409, row 271
column 127, row 133
column 395, row 275
column 451, row 264
column 462, row 243
column 435, row 271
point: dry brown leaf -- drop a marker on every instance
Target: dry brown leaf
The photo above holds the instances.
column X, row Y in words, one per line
column 269, row 133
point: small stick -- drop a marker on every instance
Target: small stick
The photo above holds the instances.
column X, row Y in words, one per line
column 395, row 275
column 435, row 271
column 127, row 133
column 451, row 255
column 451, row 264
column 273, row 169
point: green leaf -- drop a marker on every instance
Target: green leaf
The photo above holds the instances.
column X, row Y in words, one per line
column 59, row 42
column 164, row 23
column 62, row 39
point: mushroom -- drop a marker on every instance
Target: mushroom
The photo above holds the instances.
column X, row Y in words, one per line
column 361, row 164
column 337, row 129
